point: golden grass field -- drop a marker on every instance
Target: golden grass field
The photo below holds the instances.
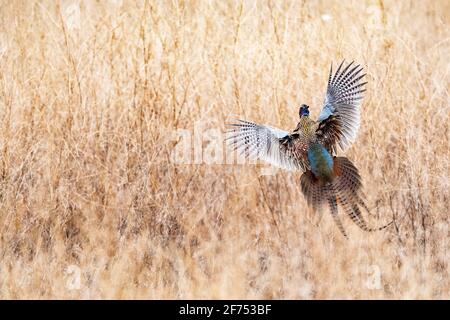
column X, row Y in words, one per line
column 95, row 96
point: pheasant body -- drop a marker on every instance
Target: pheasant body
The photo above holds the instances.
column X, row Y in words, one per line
column 312, row 147
column 321, row 162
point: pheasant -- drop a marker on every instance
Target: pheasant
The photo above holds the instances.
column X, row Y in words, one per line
column 312, row 147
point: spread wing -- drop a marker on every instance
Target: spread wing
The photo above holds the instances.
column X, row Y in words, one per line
column 340, row 117
column 263, row 142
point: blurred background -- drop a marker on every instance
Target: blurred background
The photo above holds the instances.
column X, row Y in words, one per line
column 114, row 178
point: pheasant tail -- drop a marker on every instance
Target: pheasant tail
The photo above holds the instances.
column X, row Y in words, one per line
column 345, row 190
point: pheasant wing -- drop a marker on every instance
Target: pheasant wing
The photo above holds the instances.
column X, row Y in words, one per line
column 340, row 117
column 263, row 142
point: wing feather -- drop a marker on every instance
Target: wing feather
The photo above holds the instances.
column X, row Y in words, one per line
column 262, row 142
column 340, row 116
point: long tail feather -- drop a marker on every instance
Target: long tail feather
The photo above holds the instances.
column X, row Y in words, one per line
column 318, row 193
column 345, row 190
column 334, row 211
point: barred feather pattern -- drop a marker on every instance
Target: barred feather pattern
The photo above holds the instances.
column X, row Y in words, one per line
column 348, row 186
column 344, row 190
column 254, row 141
column 342, row 101
column 313, row 190
column 334, row 211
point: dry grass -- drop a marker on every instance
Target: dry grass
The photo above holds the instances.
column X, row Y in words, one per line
column 90, row 105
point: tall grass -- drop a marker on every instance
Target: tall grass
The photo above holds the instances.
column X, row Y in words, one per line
column 94, row 94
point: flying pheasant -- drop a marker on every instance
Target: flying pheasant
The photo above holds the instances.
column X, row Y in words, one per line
column 312, row 147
